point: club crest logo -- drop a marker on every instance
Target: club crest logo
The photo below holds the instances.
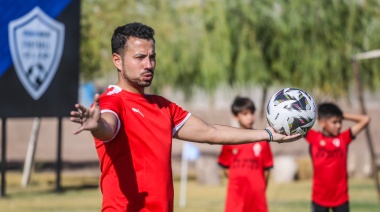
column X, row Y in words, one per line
column 336, row 142
column 36, row 44
column 256, row 149
column 235, row 151
column 322, row 143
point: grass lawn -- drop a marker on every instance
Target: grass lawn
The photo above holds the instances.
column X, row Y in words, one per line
column 81, row 193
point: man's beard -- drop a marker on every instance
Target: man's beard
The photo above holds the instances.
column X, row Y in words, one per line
column 138, row 80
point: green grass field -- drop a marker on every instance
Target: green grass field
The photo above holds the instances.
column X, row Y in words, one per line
column 81, row 193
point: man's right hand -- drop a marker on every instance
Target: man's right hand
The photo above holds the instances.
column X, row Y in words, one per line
column 280, row 138
column 88, row 118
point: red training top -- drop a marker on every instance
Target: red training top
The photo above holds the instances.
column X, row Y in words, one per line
column 329, row 157
column 246, row 180
column 136, row 163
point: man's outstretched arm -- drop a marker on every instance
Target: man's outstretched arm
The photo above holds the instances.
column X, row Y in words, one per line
column 197, row 130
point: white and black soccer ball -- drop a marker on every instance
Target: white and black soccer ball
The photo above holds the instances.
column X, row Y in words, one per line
column 291, row 111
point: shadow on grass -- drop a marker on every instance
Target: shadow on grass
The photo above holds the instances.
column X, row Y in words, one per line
column 79, row 187
column 41, row 166
column 26, row 193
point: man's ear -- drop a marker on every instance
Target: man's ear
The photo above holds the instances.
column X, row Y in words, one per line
column 117, row 61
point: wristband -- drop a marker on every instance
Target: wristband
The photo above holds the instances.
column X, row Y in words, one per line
column 270, row 134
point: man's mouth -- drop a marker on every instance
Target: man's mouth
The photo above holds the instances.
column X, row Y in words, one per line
column 146, row 77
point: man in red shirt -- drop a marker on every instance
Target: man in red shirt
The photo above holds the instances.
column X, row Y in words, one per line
column 246, row 165
column 328, row 150
column 133, row 131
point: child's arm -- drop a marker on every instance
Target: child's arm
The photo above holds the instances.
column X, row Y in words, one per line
column 266, row 176
column 361, row 122
column 226, row 172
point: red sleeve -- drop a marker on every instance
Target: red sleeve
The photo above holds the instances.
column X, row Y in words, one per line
column 268, row 157
column 178, row 114
column 225, row 156
column 311, row 136
column 346, row 136
column 111, row 102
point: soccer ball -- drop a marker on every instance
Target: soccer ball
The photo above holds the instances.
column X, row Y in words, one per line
column 291, row 111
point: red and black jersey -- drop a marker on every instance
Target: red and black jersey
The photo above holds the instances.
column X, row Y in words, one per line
column 136, row 173
column 329, row 158
column 246, row 180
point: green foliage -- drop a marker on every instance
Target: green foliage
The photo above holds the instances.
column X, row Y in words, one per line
column 99, row 19
column 307, row 44
column 216, row 53
column 323, row 36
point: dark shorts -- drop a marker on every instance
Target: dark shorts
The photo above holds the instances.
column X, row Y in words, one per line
column 345, row 207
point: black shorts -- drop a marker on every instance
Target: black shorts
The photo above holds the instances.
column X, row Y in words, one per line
column 345, row 207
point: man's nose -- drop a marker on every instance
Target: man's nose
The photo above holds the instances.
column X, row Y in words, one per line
column 149, row 63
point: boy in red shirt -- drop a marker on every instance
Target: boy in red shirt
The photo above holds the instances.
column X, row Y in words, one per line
column 328, row 150
column 246, row 165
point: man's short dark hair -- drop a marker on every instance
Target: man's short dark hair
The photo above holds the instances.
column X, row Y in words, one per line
column 328, row 110
column 122, row 33
column 242, row 103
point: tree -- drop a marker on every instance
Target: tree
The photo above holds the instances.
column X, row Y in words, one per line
column 306, row 44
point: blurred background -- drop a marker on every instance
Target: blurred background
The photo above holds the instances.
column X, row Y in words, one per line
column 209, row 51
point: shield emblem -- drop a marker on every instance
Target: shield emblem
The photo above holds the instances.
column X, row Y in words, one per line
column 36, row 43
column 257, row 149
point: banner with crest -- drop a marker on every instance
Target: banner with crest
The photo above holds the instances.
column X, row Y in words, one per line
column 39, row 65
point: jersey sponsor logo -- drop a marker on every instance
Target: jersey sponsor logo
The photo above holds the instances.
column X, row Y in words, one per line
column 245, row 164
column 36, row 43
column 137, row 111
column 235, row 151
column 257, row 149
column 325, row 153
